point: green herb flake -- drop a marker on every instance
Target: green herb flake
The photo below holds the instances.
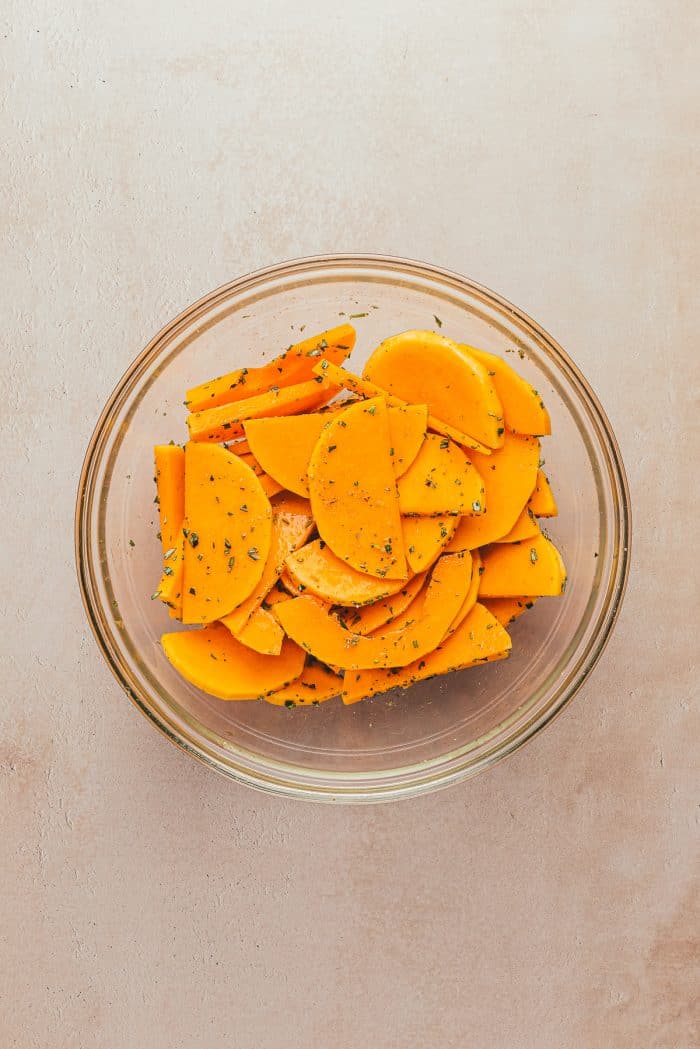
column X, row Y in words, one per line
column 253, row 553
column 193, row 539
column 533, row 555
column 437, row 320
column 231, row 563
column 476, row 506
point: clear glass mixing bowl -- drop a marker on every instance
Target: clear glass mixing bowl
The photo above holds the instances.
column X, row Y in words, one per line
column 402, row 744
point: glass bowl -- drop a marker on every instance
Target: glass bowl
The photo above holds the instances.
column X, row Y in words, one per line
column 400, row 744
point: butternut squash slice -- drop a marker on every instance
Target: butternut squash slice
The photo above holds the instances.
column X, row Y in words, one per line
column 291, row 367
column 214, row 661
column 478, row 639
column 170, row 494
column 365, row 388
column 471, row 595
column 542, row 502
column 322, row 635
column 533, row 568
column 353, row 491
column 423, row 367
column 425, row 538
column 292, row 525
column 507, row 474
column 262, row 633
column 523, row 409
column 317, row 684
column 316, row 569
column 441, row 480
column 508, row 609
column 407, row 426
column 283, row 447
column 226, row 421
column 524, row 528
column 370, row 618
column 228, row 525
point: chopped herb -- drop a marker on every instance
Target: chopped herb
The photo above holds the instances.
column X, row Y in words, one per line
column 354, row 316
column 416, row 643
column 332, row 447
column 476, row 506
column 289, row 703
column 193, row 591
column 388, row 548
column 411, row 549
column 193, row 539
column 324, row 365
column 500, row 431
column 437, row 320
column 167, row 554
column 168, row 570
column 132, row 543
column 372, row 409
column 231, row 563
column 445, row 443
column 391, row 451
column 244, row 508
column 253, row 553
column 533, row 554
column 154, row 595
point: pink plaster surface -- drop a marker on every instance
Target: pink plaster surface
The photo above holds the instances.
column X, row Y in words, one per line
column 153, row 151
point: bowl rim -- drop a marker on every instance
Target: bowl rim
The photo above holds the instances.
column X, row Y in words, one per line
column 357, row 792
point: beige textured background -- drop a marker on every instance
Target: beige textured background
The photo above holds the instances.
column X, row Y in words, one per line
column 155, row 150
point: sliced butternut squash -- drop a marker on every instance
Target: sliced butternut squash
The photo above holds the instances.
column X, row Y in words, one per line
column 316, row 569
column 370, row 618
column 407, row 426
column 424, row 539
column 170, row 495
column 507, row 475
column 228, row 524
column 423, row 367
column 291, row 367
column 365, row 388
column 292, row 525
column 507, row 609
column 262, row 633
column 226, row 421
column 322, row 635
column 283, row 447
column 353, row 491
column 441, row 480
column 170, row 491
column 213, row 660
column 524, row 528
column 523, row 409
column 533, row 568
column 471, row 595
column 479, row 639
column 317, row 684
column 542, row 502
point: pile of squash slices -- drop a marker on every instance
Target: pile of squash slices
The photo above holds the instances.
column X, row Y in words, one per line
column 329, row 534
